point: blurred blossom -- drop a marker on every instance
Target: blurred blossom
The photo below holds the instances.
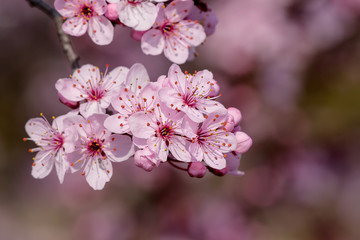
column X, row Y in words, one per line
column 312, row 179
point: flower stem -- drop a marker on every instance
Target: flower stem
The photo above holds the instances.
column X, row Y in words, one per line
column 63, row 37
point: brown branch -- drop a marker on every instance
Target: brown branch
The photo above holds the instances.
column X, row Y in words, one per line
column 63, row 37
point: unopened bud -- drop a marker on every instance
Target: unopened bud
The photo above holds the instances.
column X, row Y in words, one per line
column 244, row 142
column 236, row 114
column 111, row 12
column 145, row 159
column 196, row 169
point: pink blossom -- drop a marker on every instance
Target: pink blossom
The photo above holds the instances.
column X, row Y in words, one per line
column 138, row 94
column 96, row 89
column 189, row 93
column 162, row 132
column 51, row 143
column 211, row 141
column 86, row 15
column 172, row 34
column 96, row 148
column 236, row 114
column 137, row 14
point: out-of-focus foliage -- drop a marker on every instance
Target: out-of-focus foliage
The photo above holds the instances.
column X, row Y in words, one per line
column 291, row 67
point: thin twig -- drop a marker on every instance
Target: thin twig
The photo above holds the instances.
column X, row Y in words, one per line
column 63, row 37
column 171, row 162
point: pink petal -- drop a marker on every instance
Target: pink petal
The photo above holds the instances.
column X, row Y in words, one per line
column 69, row 103
column 75, row 26
column 36, row 128
column 101, row 31
column 66, row 8
column 208, row 106
column 70, row 90
column 119, row 147
column 192, row 33
column 179, row 148
column 175, row 50
column 61, row 165
column 137, row 78
column 117, row 75
column 140, row 17
column 44, row 162
column 178, row 10
column 117, row 124
column 193, row 114
column 196, row 151
column 87, row 73
column 90, row 107
column 158, row 146
column 177, row 78
column 152, row 42
column 99, row 6
column 98, row 172
column 96, row 124
column 214, row 159
column 141, row 125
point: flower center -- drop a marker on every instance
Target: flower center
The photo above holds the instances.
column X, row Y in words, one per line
column 165, row 131
column 86, row 11
column 95, row 147
column 168, row 28
column 95, row 94
column 190, row 99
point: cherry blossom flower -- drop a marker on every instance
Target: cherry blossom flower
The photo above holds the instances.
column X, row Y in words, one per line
column 96, row 89
column 172, row 34
column 137, row 14
column 190, row 93
column 138, row 94
column 210, row 141
column 51, row 142
column 96, row 148
column 161, row 131
column 86, row 15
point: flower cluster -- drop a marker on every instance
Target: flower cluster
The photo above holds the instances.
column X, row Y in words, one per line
column 121, row 113
column 173, row 27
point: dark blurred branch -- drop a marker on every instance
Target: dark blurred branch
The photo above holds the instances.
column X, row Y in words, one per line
column 63, row 37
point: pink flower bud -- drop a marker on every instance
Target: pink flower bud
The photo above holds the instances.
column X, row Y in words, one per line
column 146, row 159
column 229, row 124
column 244, row 142
column 111, row 12
column 219, row 172
column 236, row 114
column 71, row 104
column 137, row 35
column 196, row 169
column 215, row 89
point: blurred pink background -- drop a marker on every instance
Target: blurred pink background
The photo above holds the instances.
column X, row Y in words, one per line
column 290, row 66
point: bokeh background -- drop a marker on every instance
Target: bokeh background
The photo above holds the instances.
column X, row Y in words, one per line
column 290, row 66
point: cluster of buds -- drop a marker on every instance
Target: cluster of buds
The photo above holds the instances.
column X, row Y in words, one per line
column 120, row 114
column 172, row 27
